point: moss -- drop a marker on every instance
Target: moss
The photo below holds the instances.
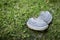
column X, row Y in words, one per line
column 15, row 13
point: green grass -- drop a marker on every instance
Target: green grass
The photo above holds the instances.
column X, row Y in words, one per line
column 15, row 13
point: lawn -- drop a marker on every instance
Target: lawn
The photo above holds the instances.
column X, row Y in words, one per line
column 15, row 13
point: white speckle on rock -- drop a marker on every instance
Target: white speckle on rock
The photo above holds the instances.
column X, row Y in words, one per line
column 40, row 23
